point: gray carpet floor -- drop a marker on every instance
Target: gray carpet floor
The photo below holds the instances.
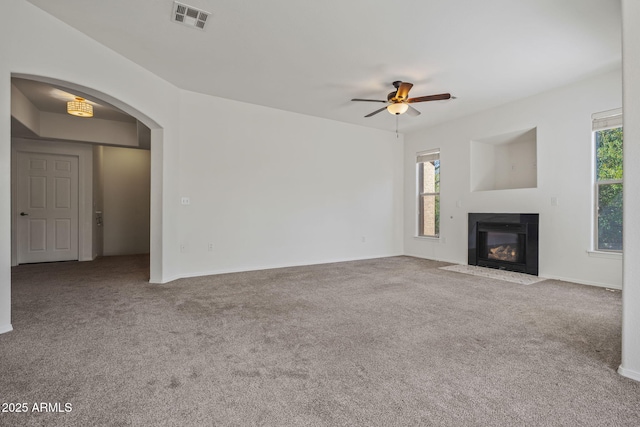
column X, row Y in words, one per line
column 384, row 342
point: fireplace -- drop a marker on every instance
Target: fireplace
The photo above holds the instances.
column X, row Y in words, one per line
column 505, row 241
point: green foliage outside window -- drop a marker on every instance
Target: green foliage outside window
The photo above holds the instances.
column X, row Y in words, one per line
column 609, row 154
column 609, row 185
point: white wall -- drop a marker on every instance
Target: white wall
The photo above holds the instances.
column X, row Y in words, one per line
column 518, row 163
column 126, row 194
column 24, row 111
column 270, row 188
column 630, row 366
column 98, row 198
column 564, row 158
column 504, row 161
column 54, row 52
column 108, row 132
column 483, row 168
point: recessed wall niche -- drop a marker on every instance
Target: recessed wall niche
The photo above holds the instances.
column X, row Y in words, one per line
column 505, row 161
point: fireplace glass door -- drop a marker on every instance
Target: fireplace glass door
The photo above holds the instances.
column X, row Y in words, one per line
column 499, row 246
column 502, row 243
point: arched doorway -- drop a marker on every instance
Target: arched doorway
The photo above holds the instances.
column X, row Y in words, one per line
column 154, row 139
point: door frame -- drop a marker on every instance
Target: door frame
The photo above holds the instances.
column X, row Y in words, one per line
column 84, row 153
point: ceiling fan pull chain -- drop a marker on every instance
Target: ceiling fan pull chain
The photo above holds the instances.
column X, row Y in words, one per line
column 397, row 118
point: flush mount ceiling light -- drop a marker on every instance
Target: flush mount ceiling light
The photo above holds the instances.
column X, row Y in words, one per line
column 80, row 108
column 189, row 15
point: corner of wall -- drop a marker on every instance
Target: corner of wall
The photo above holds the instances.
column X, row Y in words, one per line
column 628, row 373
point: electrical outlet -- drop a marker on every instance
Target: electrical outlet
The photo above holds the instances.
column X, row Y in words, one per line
column 185, row 201
column 183, row 248
column 210, row 247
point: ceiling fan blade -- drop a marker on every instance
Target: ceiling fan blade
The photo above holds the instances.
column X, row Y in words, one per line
column 412, row 111
column 376, row 112
column 403, row 91
column 439, row 97
column 368, row 100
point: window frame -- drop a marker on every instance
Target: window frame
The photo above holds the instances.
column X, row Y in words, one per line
column 427, row 157
column 596, row 214
column 606, row 120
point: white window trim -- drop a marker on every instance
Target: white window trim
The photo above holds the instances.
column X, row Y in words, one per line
column 604, row 120
column 421, row 157
column 605, row 254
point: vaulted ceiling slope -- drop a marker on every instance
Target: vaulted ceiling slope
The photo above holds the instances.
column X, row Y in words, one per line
column 312, row 57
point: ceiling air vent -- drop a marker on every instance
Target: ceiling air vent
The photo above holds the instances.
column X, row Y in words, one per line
column 189, row 15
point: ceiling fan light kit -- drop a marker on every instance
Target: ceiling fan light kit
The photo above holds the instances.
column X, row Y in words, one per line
column 398, row 108
column 398, row 101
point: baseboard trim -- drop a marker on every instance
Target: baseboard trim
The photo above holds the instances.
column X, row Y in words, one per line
column 582, row 282
column 451, row 261
column 6, row 328
column 167, row 279
column 270, row 267
column 331, row 261
column 631, row 374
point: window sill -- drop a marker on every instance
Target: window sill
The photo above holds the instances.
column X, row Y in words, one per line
column 602, row 254
column 427, row 238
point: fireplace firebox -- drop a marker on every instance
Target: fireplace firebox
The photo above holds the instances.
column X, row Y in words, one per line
column 505, row 241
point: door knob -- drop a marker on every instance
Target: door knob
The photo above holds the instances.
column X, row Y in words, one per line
column 24, row 214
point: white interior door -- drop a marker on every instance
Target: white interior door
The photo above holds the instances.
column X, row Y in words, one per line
column 47, row 207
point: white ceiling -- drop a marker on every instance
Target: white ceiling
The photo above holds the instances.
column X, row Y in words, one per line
column 312, row 57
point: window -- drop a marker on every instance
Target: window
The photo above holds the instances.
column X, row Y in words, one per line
column 428, row 165
column 607, row 137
